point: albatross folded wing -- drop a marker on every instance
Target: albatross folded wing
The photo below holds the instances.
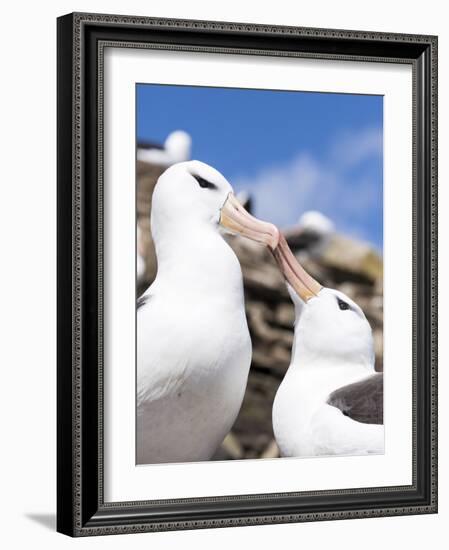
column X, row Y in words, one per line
column 361, row 401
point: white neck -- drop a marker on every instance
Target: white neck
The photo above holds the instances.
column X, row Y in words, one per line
column 194, row 258
column 304, row 355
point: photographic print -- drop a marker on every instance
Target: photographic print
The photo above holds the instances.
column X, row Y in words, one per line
column 259, row 274
column 247, row 221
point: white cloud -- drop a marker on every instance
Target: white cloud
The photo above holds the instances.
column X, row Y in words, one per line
column 353, row 148
column 282, row 193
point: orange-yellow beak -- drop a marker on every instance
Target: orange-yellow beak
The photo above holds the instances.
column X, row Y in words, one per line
column 304, row 284
column 237, row 220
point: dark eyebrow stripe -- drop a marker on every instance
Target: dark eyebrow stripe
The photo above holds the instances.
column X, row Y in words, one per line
column 204, row 183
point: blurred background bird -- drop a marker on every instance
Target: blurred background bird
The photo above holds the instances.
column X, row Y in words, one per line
column 311, row 235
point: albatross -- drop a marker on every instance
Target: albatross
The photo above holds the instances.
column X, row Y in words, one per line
column 330, row 400
column 176, row 148
column 193, row 344
column 312, row 234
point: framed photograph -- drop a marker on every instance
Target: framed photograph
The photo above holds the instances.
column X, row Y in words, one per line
column 247, row 278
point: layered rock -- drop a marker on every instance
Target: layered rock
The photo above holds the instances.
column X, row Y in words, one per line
column 344, row 263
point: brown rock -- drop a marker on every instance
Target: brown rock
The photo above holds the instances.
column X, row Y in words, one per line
column 346, row 264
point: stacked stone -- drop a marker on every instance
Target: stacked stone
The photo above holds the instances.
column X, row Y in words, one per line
column 343, row 263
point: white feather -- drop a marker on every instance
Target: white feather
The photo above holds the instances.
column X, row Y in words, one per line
column 194, row 349
column 332, row 348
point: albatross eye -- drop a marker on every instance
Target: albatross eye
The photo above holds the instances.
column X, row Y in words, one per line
column 342, row 304
column 205, row 184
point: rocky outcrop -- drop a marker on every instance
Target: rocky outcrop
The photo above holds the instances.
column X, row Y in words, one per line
column 341, row 262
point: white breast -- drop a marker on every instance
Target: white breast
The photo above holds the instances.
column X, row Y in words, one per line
column 305, row 425
column 194, row 353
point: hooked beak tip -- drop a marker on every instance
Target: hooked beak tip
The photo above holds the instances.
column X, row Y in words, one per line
column 236, row 219
column 303, row 284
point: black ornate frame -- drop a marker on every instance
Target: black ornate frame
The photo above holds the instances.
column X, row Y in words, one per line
column 81, row 508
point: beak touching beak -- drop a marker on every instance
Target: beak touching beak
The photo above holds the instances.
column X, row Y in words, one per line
column 304, row 285
column 237, row 220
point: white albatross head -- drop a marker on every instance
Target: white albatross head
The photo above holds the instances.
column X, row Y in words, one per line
column 193, row 193
column 329, row 326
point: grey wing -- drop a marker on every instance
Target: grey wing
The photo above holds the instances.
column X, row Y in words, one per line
column 361, row 401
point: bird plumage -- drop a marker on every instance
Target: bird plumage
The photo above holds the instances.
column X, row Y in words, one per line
column 361, row 401
column 193, row 344
column 332, row 365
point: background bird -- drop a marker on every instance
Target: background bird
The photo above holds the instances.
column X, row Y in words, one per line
column 193, row 344
column 311, row 235
column 330, row 401
column 152, row 161
column 176, row 148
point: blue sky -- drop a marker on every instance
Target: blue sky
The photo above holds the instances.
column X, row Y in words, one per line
column 293, row 151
